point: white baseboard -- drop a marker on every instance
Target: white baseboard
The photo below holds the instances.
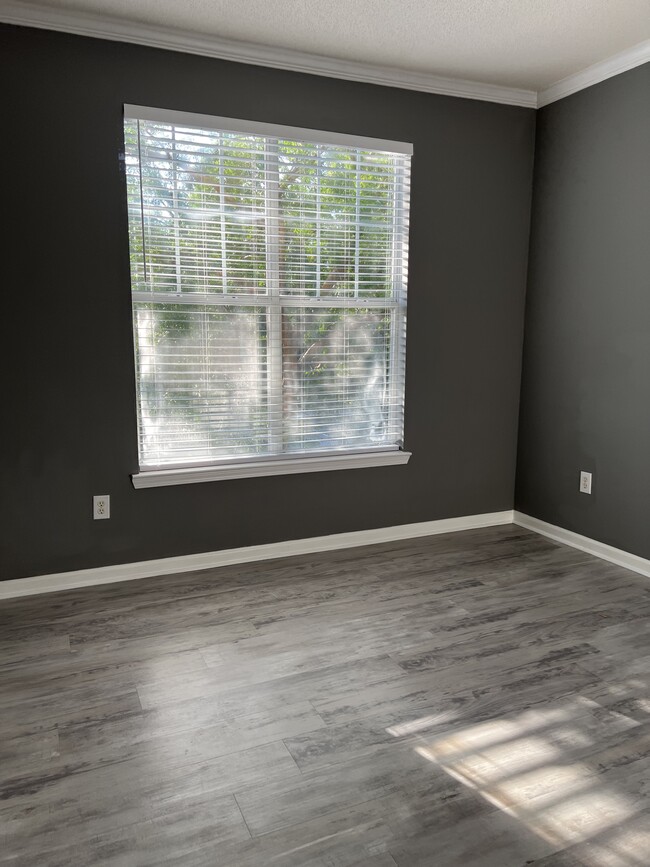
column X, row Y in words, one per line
column 584, row 543
column 212, row 559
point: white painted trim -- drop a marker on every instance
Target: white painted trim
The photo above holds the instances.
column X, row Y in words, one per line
column 628, row 59
column 584, row 543
column 214, row 559
column 189, row 42
column 277, row 467
column 273, row 130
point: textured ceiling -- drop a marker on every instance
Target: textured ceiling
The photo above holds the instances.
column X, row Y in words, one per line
column 518, row 43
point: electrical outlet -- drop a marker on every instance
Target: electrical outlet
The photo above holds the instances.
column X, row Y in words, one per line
column 101, row 507
column 585, row 482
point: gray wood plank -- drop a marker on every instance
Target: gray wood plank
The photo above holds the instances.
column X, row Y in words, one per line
column 178, row 739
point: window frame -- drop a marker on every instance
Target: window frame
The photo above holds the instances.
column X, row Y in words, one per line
column 273, row 301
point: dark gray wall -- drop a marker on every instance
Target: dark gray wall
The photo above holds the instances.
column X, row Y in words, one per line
column 69, row 428
column 586, row 384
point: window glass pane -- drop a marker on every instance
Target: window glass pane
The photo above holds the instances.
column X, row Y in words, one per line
column 134, row 204
column 337, row 383
column 202, row 382
column 202, row 196
column 337, row 214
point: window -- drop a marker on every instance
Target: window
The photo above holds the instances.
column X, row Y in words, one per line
column 268, row 271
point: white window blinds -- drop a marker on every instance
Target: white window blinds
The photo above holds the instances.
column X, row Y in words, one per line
column 268, row 270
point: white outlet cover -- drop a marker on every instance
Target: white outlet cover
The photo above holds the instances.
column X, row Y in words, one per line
column 585, row 482
column 101, row 507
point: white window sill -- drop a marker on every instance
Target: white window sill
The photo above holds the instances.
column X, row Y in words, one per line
column 269, row 467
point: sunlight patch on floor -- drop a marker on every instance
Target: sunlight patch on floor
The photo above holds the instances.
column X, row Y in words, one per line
column 526, row 766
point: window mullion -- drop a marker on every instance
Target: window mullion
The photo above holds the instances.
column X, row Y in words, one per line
column 274, row 307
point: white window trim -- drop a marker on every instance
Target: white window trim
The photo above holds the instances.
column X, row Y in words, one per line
column 274, row 130
column 268, row 467
column 238, row 468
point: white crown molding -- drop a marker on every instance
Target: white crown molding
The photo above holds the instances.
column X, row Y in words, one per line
column 584, row 543
column 190, row 42
column 635, row 56
column 213, row 559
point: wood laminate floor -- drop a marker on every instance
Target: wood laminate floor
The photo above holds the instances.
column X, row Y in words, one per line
column 480, row 698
